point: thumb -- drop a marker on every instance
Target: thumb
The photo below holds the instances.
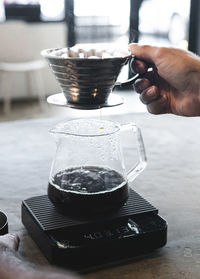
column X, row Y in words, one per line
column 144, row 52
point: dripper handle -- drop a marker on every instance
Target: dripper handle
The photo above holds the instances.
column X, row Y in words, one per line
column 140, row 166
column 127, row 82
column 131, row 80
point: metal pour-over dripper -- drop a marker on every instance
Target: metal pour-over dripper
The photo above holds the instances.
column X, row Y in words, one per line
column 86, row 77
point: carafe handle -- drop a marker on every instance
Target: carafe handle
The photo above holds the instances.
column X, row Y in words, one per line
column 140, row 166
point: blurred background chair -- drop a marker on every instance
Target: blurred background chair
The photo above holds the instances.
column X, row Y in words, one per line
column 33, row 75
column 23, row 73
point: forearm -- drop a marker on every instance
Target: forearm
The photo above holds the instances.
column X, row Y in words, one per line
column 12, row 266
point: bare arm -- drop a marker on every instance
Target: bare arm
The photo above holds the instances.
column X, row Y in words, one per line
column 12, row 266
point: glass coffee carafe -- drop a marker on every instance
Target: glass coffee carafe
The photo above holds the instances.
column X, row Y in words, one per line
column 88, row 174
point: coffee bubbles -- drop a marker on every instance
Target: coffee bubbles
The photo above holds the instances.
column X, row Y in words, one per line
column 88, row 189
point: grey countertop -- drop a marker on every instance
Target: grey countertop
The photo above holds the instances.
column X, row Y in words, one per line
column 171, row 182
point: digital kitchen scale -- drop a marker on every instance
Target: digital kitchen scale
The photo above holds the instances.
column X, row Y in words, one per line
column 86, row 243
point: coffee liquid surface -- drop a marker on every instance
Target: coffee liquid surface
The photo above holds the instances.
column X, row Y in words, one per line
column 92, row 189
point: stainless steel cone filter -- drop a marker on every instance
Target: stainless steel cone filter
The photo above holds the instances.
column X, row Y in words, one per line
column 85, row 81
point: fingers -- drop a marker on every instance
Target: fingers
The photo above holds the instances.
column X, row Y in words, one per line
column 145, row 81
column 138, row 66
column 158, row 106
column 144, row 52
column 149, row 95
column 141, row 84
column 16, row 241
column 146, row 57
column 10, row 240
column 156, row 103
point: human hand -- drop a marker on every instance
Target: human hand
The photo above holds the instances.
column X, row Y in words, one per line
column 10, row 241
column 173, row 83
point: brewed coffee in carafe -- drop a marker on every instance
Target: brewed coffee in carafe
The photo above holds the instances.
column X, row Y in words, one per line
column 88, row 188
column 88, row 174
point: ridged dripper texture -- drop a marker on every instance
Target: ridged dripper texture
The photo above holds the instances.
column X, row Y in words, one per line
column 85, row 81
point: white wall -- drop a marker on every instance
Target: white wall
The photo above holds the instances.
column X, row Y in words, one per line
column 21, row 41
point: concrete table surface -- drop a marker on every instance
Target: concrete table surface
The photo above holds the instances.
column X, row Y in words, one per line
column 171, row 182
